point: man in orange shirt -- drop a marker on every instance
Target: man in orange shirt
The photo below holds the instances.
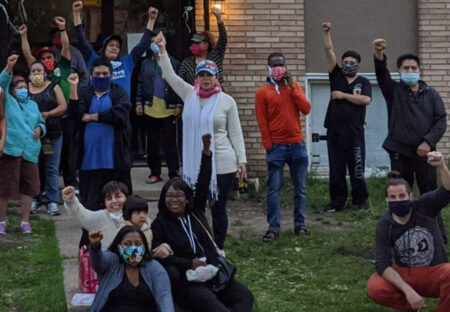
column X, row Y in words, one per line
column 278, row 105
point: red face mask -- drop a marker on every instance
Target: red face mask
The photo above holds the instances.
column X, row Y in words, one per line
column 198, row 49
column 49, row 65
column 278, row 72
column 57, row 42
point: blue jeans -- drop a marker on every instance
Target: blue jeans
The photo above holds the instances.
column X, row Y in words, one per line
column 49, row 171
column 296, row 157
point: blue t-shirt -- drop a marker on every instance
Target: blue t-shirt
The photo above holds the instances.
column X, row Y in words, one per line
column 122, row 70
column 99, row 137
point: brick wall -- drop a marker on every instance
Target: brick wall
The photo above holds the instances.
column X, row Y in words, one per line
column 257, row 28
column 434, row 52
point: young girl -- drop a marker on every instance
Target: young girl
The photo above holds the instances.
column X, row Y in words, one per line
column 135, row 211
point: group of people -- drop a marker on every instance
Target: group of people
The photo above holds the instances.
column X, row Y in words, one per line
column 74, row 110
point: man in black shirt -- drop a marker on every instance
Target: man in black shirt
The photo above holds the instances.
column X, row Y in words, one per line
column 409, row 234
column 350, row 94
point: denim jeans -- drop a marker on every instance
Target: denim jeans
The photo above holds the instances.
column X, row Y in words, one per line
column 49, row 171
column 296, row 157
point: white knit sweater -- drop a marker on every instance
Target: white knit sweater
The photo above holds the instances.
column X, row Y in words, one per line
column 228, row 139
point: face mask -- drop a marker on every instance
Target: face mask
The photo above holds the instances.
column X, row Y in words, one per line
column 278, row 72
column 198, row 49
column 49, row 65
column 350, row 70
column 57, row 42
column 101, row 83
column 400, row 208
column 37, row 80
column 116, row 215
column 206, row 93
column 154, row 47
column 132, row 255
column 410, row 78
column 22, row 94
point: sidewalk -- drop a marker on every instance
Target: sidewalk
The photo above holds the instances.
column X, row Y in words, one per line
column 68, row 231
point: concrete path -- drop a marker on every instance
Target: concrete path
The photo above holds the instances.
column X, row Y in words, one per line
column 68, row 231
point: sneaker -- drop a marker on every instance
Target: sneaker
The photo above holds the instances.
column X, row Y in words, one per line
column 26, row 228
column 331, row 208
column 34, row 206
column 153, row 179
column 270, row 236
column 53, row 209
column 2, row 228
column 301, row 231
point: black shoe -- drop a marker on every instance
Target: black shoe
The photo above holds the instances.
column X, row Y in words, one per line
column 270, row 236
column 301, row 231
column 331, row 208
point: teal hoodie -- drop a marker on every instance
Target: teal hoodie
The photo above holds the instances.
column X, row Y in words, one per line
column 21, row 120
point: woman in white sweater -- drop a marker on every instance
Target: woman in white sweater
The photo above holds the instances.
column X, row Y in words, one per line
column 208, row 110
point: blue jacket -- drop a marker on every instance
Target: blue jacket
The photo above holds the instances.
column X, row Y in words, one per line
column 110, row 272
column 122, row 68
column 21, row 120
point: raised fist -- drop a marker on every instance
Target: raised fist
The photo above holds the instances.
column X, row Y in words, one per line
column 95, row 236
column 379, row 45
column 73, row 79
column 77, row 6
column 326, row 27
column 60, row 22
column 23, row 29
column 68, row 193
column 153, row 13
column 216, row 12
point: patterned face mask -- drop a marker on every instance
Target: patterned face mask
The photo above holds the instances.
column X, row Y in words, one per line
column 37, row 80
column 132, row 255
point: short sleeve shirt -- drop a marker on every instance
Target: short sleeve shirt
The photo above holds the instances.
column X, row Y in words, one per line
column 344, row 116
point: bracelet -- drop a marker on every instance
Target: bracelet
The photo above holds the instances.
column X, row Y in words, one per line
column 60, row 30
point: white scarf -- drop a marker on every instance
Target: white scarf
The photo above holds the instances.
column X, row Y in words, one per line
column 198, row 121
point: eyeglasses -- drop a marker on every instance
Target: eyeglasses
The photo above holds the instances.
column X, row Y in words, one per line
column 175, row 196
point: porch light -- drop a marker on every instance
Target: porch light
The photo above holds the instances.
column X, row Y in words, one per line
column 218, row 4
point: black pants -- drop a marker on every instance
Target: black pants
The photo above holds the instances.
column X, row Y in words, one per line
column 346, row 152
column 91, row 185
column 424, row 174
column 198, row 297
column 161, row 132
column 69, row 171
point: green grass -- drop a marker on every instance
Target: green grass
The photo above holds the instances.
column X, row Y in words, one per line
column 31, row 277
column 326, row 271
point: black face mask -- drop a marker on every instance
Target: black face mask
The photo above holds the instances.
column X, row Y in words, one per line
column 400, row 208
column 350, row 70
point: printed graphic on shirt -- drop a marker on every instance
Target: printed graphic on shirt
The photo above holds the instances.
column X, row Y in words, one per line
column 118, row 74
column 415, row 248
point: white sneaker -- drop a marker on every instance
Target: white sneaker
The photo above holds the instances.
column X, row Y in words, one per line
column 53, row 209
column 34, row 206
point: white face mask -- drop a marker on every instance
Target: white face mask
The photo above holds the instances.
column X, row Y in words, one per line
column 116, row 216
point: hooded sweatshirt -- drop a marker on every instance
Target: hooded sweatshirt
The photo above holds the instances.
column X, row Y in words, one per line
column 417, row 243
column 145, row 228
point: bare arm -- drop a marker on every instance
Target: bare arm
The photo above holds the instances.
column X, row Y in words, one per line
column 77, row 6
column 414, row 299
column 61, row 107
column 65, row 50
column 354, row 98
column 436, row 159
column 29, row 58
column 329, row 49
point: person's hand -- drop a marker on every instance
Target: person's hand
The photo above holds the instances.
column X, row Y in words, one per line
column 95, row 236
column 45, row 115
column 23, row 30
column 423, row 149
column 12, row 60
column 337, row 95
column 73, row 80
column 153, row 13
column 379, row 45
column 161, row 252
column 176, row 112
column 86, row 118
column 197, row 263
column 37, row 133
column 242, row 171
column 77, row 6
column 290, row 80
column 415, row 300
column 60, row 22
column 139, row 110
column 326, row 27
column 206, row 138
column 436, row 159
column 216, row 12
column 68, row 193
column 160, row 41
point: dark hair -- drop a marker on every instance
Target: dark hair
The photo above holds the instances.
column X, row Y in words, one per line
column 101, row 61
column 178, row 185
column 276, row 54
column 119, row 237
column 38, row 62
column 134, row 203
column 351, row 53
column 394, row 179
column 407, row 56
column 114, row 186
column 209, row 37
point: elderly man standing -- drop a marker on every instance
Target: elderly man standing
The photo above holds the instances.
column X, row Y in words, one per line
column 278, row 105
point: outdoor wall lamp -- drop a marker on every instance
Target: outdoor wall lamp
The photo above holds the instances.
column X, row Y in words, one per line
column 218, row 4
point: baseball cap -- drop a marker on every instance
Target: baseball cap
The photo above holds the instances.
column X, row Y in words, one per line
column 208, row 66
column 197, row 38
column 43, row 50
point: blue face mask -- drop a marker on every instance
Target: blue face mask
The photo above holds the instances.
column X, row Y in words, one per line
column 400, row 208
column 410, row 78
column 101, row 83
column 22, row 94
column 154, row 47
column 350, row 70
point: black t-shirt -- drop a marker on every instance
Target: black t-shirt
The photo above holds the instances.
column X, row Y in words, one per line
column 343, row 116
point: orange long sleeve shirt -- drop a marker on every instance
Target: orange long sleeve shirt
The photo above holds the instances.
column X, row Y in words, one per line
column 278, row 115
